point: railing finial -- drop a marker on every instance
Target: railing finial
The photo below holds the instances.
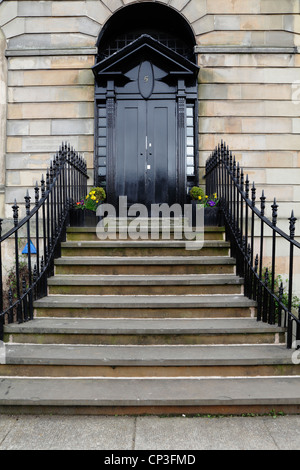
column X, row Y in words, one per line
column 292, row 220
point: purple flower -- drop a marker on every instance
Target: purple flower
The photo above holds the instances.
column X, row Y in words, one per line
column 211, row 203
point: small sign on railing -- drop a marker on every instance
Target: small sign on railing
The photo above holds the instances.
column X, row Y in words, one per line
column 32, row 249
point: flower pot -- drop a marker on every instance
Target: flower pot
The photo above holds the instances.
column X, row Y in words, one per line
column 213, row 217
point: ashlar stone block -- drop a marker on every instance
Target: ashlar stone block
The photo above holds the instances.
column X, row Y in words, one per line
column 17, row 127
column 204, row 24
column 32, row 8
column 98, row 12
column 113, row 5
column 194, row 10
column 8, row 11
column 50, row 94
column 72, row 127
column 51, row 62
column 179, row 4
column 282, row 6
column 51, row 110
column 51, row 78
column 13, row 28
column 237, row 6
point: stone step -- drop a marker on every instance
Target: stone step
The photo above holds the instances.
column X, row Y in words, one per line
column 90, row 233
column 145, row 265
column 150, row 395
column 145, row 284
column 147, row 361
column 139, row 306
column 144, row 331
column 144, row 248
column 145, row 221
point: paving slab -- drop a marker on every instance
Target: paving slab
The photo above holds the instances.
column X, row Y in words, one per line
column 106, row 433
column 203, row 433
column 72, row 432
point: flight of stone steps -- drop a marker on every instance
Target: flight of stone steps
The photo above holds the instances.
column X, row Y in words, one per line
column 146, row 326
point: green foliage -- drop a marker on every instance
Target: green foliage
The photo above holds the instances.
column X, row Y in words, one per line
column 11, row 282
column 277, row 283
column 195, row 192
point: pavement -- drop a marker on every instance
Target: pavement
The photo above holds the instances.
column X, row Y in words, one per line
column 148, row 433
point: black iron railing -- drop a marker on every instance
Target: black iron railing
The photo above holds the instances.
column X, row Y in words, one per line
column 45, row 224
column 246, row 229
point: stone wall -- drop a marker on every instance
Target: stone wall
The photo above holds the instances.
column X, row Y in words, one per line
column 249, row 86
column 249, row 72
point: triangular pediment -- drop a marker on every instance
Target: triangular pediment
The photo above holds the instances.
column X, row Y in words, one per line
column 145, row 47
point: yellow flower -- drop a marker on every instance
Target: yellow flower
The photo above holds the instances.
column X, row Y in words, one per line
column 206, row 197
column 199, row 197
column 215, row 195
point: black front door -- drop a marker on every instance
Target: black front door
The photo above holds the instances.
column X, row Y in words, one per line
column 144, row 95
column 146, row 151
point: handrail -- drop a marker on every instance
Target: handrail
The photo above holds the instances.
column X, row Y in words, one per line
column 225, row 177
column 65, row 183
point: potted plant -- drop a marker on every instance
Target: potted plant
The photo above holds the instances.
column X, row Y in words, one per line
column 212, row 213
column 84, row 214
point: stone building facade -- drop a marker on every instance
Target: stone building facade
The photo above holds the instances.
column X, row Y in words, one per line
column 248, row 86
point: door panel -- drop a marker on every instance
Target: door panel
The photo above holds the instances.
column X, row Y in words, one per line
column 161, row 177
column 146, row 151
column 130, row 150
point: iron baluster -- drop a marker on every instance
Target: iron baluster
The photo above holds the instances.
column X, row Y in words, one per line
column 1, row 279
column 279, row 312
column 15, row 209
column 24, row 288
column 292, row 220
column 253, row 198
column 37, row 235
column 1, row 287
column 298, row 330
column 274, row 223
column 262, row 212
column 238, row 234
column 30, row 299
column 10, row 317
column 265, row 299
column 48, row 219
